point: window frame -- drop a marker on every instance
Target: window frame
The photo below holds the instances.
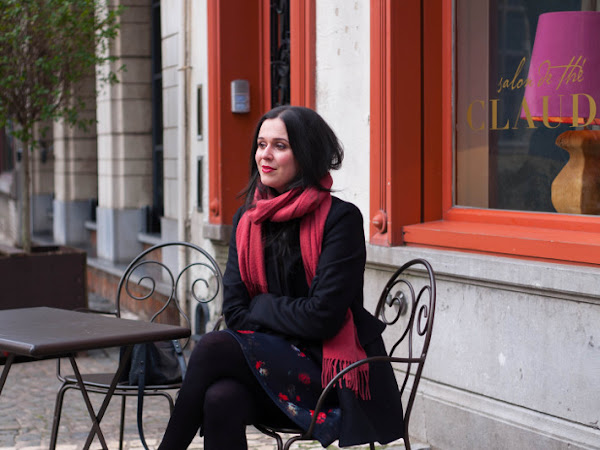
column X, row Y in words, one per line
column 407, row 183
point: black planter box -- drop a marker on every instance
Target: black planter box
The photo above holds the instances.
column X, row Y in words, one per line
column 52, row 276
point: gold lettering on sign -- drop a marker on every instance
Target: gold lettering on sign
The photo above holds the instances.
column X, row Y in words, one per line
column 470, row 115
column 494, row 126
column 592, row 114
column 571, row 73
column 525, row 107
column 553, row 76
column 577, row 121
column 514, row 83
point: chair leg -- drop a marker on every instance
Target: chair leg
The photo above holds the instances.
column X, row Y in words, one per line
column 171, row 403
column 123, row 403
column 122, row 425
column 57, row 413
column 372, row 445
column 169, row 399
column 290, row 441
column 273, row 434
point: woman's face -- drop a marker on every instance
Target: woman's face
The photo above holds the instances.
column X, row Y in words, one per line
column 274, row 158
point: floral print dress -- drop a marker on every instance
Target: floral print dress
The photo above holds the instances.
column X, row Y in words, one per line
column 292, row 380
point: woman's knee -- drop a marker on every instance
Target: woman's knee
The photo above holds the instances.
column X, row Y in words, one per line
column 227, row 398
column 213, row 345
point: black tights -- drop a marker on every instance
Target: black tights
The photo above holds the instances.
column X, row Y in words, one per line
column 221, row 394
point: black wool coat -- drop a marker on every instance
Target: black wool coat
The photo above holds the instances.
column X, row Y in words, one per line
column 307, row 316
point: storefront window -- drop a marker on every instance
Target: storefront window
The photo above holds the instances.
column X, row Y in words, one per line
column 502, row 161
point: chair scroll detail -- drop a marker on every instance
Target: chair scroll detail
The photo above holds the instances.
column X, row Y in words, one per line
column 407, row 306
column 154, row 285
column 145, row 278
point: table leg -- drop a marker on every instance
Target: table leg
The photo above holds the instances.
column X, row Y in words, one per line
column 86, row 398
column 7, row 364
column 96, row 418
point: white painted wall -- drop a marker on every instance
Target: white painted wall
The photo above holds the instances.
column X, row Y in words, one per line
column 342, row 91
column 199, row 146
column 171, row 30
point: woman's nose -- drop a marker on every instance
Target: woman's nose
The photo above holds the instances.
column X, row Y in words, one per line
column 267, row 153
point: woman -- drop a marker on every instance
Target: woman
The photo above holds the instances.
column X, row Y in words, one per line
column 293, row 304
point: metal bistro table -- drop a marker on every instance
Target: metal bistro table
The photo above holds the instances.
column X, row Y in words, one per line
column 50, row 332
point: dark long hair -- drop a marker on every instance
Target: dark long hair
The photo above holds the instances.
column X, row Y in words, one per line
column 314, row 145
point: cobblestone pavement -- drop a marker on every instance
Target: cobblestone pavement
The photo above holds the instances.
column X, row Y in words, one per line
column 27, row 409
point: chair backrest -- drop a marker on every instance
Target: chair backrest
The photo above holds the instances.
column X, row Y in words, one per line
column 407, row 306
column 163, row 278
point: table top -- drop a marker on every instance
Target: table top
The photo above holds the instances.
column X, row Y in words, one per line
column 43, row 331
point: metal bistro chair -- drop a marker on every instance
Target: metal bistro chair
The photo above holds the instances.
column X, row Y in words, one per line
column 412, row 310
column 151, row 286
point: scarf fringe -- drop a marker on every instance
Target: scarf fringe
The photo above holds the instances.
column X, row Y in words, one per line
column 356, row 380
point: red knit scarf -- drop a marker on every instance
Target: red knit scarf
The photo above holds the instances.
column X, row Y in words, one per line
column 312, row 205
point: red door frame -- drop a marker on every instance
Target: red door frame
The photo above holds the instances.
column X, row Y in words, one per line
column 238, row 48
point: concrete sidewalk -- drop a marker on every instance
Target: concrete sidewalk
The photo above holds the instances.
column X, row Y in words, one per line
column 27, row 409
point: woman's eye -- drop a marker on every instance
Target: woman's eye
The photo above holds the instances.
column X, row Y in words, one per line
column 281, row 146
column 262, row 145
